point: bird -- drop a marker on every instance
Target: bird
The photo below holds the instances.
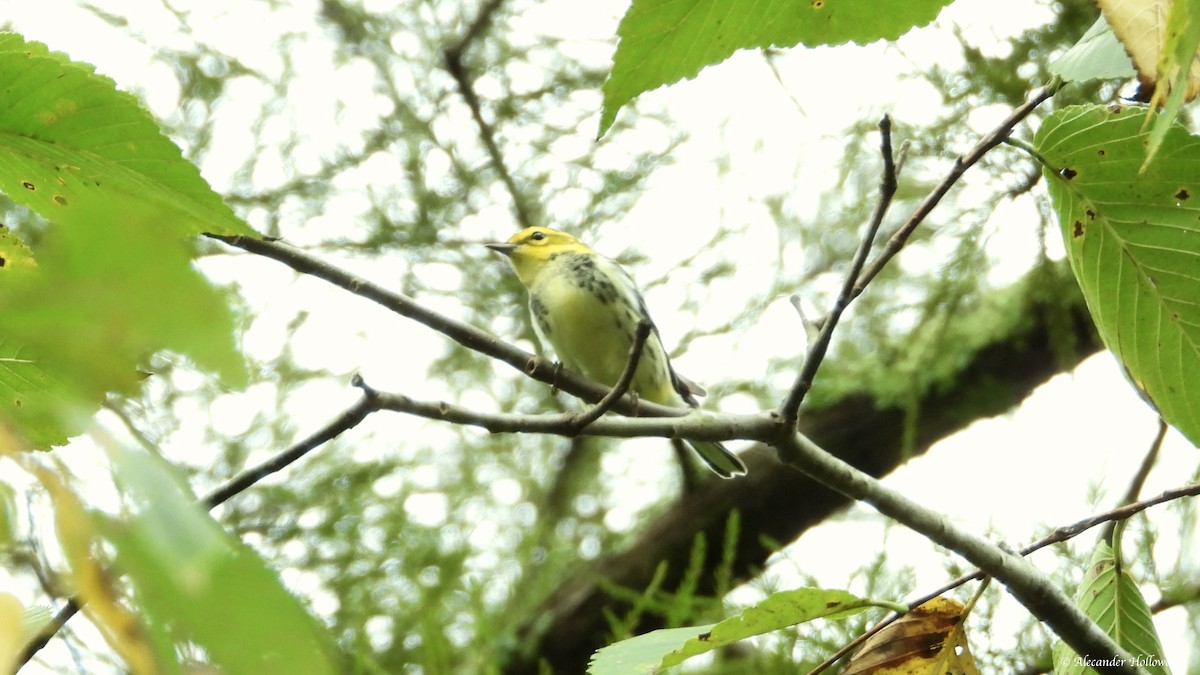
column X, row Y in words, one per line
column 586, row 307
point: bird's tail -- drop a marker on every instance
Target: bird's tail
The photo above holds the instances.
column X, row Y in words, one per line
column 723, row 462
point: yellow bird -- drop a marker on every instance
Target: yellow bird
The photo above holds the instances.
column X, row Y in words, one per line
column 586, row 307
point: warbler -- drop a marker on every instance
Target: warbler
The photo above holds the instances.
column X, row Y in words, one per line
column 586, row 308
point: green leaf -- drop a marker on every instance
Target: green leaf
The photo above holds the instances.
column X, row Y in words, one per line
column 642, row 654
column 1097, row 56
column 29, row 394
column 106, row 295
column 204, row 585
column 115, row 282
column 660, row 649
column 779, row 610
column 664, row 41
column 66, row 132
column 1133, row 240
column 1110, row 597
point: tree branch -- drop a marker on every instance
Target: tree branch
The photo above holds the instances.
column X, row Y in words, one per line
column 640, row 334
column 997, row 136
column 465, row 334
column 789, row 409
column 776, row 504
column 1139, row 477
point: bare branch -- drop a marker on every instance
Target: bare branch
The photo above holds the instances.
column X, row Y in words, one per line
column 997, row 136
column 681, row 422
column 789, row 410
column 1139, row 477
column 344, row 422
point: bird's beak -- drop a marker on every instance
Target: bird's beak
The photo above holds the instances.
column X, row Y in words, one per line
column 502, row 247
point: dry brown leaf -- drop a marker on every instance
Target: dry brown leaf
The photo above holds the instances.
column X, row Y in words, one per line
column 929, row 640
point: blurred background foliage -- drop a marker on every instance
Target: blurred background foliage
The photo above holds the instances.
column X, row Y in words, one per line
column 392, row 139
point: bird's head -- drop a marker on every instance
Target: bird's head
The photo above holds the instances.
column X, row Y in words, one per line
column 530, row 249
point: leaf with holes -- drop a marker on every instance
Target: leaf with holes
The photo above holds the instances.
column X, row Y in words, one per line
column 114, row 282
column 67, row 134
column 1133, row 239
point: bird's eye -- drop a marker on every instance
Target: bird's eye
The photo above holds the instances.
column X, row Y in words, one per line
column 538, row 236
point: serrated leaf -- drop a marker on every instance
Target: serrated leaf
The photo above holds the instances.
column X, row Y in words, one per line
column 116, row 282
column 664, row 41
column 1109, row 596
column 1098, row 55
column 66, row 132
column 1133, row 240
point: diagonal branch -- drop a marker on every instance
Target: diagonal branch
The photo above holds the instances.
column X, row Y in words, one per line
column 640, row 334
column 995, row 137
column 463, row 333
column 1139, row 477
column 789, row 410
column 777, row 503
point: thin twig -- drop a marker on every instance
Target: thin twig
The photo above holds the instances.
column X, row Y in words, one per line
column 349, row 419
column 789, row 410
column 453, row 57
column 682, row 423
column 809, row 327
column 995, row 137
column 238, row 484
column 1058, row 536
column 640, row 334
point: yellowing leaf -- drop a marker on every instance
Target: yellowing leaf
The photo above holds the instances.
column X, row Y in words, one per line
column 929, row 640
column 101, row 602
column 1162, row 37
column 1143, row 27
